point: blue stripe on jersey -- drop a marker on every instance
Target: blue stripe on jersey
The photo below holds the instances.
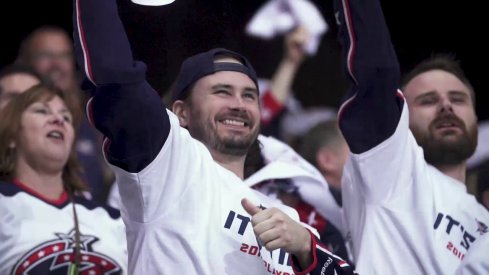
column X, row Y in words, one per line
column 90, row 205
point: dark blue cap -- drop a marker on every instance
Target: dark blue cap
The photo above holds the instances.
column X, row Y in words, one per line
column 202, row 64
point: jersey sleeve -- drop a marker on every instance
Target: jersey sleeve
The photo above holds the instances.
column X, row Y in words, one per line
column 324, row 262
column 124, row 107
column 373, row 117
column 371, row 108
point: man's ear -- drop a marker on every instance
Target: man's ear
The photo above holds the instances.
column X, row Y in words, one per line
column 12, row 145
column 180, row 109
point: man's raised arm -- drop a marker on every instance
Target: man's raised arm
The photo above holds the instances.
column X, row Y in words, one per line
column 372, row 108
column 124, row 107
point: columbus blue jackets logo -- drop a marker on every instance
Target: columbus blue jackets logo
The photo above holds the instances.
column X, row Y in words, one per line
column 55, row 257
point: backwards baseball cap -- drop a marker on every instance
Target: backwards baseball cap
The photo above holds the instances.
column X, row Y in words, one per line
column 203, row 64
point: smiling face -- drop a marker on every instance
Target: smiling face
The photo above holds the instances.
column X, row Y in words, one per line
column 46, row 135
column 223, row 112
column 442, row 117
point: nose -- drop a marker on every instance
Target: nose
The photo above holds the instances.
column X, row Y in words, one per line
column 237, row 103
column 57, row 118
column 446, row 106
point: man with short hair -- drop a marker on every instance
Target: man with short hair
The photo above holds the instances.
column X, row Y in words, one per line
column 406, row 215
column 184, row 202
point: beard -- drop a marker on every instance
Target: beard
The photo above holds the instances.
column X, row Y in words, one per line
column 229, row 144
column 236, row 146
column 439, row 151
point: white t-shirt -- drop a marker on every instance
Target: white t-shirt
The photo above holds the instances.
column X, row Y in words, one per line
column 282, row 162
column 476, row 261
column 38, row 236
column 183, row 213
column 405, row 216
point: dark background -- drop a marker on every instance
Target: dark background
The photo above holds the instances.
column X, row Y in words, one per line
column 164, row 36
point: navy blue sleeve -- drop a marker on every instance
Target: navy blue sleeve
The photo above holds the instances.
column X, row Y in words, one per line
column 372, row 107
column 324, row 262
column 124, row 107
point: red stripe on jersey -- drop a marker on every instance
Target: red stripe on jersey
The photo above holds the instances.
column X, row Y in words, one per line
column 58, row 202
column 86, row 57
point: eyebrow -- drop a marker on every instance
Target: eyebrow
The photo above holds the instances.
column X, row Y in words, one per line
column 45, row 104
column 428, row 94
column 433, row 93
column 64, row 110
column 228, row 86
column 458, row 93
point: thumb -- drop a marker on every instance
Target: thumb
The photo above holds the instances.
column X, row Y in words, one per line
column 250, row 207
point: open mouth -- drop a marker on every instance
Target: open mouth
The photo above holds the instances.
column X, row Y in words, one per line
column 57, row 135
column 448, row 122
column 234, row 122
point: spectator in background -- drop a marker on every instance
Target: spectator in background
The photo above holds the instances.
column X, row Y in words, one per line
column 47, row 225
column 15, row 79
column 283, row 116
column 49, row 50
column 276, row 94
column 324, row 147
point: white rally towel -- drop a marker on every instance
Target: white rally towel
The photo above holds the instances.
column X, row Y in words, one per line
column 282, row 162
column 152, row 2
column 277, row 17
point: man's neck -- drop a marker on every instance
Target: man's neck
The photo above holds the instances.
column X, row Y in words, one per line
column 234, row 164
column 457, row 171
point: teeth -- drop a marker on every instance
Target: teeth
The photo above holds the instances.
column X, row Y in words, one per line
column 55, row 134
column 233, row 122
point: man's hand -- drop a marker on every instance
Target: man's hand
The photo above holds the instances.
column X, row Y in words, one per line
column 294, row 45
column 275, row 229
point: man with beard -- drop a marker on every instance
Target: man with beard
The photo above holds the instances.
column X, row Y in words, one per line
column 415, row 216
column 180, row 174
column 442, row 117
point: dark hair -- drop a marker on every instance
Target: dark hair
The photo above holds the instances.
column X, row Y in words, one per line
column 444, row 62
column 254, row 160
column 326, row 133
column 10, row 128
column 14, row 69
column 25, row 51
